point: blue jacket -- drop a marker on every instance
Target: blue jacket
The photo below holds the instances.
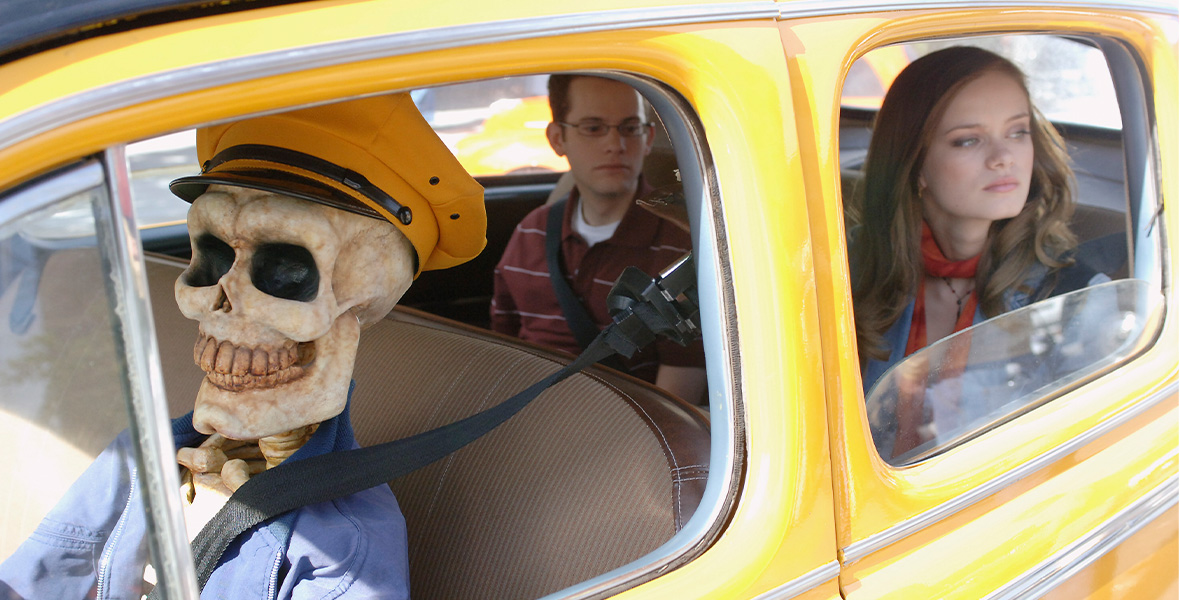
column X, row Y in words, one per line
column 93, row 544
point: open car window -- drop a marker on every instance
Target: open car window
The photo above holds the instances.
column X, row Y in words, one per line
column 453, row 364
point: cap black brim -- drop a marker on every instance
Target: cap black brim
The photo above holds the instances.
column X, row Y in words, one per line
column 280, row 182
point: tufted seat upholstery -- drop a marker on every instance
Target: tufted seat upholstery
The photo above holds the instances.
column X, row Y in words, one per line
column 596, row 472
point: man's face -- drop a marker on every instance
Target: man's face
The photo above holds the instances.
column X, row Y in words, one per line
column 606, row 167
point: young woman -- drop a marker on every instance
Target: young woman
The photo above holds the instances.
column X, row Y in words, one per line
column 965, row 211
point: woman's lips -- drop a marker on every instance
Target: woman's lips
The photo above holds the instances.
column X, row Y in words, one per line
column 1004, row 185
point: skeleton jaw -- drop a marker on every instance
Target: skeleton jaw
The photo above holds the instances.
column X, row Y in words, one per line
column 236, row 368
column 254, row 408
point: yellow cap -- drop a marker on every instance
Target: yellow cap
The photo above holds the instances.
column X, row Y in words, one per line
column 373, row 156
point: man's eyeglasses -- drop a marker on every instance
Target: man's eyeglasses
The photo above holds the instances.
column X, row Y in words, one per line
column 600, row 129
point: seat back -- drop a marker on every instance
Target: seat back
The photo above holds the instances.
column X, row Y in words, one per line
column 596, row 472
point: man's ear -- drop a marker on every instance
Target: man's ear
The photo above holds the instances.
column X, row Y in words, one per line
column 556, row 140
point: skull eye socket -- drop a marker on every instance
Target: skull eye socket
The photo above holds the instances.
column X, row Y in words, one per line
column 285, row 271
column 213, row 259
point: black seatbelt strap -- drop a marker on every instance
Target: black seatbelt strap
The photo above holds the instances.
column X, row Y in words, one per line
column 641, row 307
column 576, row 316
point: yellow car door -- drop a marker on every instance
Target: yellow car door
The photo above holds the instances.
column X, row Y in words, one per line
column 1068, row 490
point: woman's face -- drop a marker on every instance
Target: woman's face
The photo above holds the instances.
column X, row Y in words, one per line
column 979, row 164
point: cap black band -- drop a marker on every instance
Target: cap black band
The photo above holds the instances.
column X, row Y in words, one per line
column 312, row 164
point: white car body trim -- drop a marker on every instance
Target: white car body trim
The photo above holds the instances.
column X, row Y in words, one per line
column 805, row 583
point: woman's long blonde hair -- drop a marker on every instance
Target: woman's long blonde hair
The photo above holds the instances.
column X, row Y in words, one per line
column 885, row 249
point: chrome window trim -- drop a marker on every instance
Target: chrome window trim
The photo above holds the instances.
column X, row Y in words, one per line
column 808, row 582
column 860, row 549
column 37, row 195
column 795, row 9
column 198, row 77
column 150, row 426
column 1057, row 569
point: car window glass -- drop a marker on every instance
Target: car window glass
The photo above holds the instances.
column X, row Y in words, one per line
column 970, row 382
column 61, row 391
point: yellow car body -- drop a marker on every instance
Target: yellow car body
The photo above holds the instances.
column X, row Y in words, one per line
column 1075, row 499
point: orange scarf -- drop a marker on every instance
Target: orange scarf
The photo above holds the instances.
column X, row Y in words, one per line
column 911, row 402
column 938, row 265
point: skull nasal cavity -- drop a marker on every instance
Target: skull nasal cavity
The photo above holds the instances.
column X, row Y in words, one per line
column 223, row 304
column 285, row 271
column 212, row 259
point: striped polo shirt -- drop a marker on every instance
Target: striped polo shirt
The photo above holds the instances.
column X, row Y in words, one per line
column 523, row 302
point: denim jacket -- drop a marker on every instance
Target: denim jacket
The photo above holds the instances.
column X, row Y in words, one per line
column 93, row 544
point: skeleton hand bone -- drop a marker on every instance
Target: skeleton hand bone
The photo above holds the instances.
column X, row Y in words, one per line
column 235, row 460
column 214, row 471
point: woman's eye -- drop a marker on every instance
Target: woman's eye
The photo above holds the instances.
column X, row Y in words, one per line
column 1021, row 133
column 965, row 142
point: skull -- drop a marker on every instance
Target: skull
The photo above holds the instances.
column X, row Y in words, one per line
column 282, row 288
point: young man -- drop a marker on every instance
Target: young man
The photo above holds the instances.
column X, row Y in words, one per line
column 601, row 126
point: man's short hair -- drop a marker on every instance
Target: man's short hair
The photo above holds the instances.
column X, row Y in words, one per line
column 559, row 96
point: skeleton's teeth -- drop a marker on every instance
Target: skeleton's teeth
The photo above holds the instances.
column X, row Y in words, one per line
column 242, row 358
column 208, row 356
column 258, row 363
column 225, row 358
column 237, row 368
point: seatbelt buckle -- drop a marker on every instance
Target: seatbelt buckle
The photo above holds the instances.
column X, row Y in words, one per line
column 667, row 305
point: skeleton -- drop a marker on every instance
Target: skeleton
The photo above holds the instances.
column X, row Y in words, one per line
column 282, row 288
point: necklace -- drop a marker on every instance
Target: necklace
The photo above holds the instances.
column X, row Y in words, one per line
column 959, row 298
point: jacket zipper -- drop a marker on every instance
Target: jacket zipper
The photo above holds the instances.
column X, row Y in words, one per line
column 104, row 564
column 272, row 590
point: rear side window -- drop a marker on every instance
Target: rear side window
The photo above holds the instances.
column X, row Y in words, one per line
column 1041, row 343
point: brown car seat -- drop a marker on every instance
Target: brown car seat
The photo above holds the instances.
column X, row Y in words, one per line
column 596, row 472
